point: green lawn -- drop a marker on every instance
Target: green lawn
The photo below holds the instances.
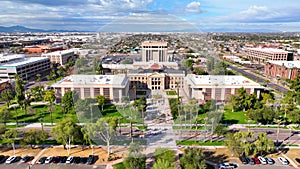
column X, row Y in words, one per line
column 200, row 143
column 124, row 114
column 171, row 92
column 119, row 166
column 35, row 113
column 234, row 117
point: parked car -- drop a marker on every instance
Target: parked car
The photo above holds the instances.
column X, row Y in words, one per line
column 70, row 160
column 49, row 160
column 90, row 160
column 283, row 160
column 76, row 160
column 11, row 159
column 83, row 160
column 63, row 159
column 55, row 159
column 250, row 161
column 270, row 160
column 243, row 160
column 225, row 166
column 2, row 160
column 27, row 158
column 256, row 160
column 262, row 160
column 298, row 160
column 42, row 160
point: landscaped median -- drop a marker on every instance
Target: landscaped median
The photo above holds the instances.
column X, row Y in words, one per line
column 200, row 143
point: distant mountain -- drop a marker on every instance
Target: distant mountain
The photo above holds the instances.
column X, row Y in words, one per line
column 25, row 29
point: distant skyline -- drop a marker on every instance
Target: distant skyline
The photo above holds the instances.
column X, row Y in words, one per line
column 154, row 15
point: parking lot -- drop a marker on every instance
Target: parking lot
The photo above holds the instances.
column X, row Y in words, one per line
column 20, row 165
column 264, row 166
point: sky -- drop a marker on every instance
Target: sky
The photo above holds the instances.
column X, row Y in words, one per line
column 154, row 15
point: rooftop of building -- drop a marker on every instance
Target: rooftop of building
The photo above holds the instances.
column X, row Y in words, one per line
column 154, row 43
column 287, row 64
column 149, row 71
column 7, row 57
column 221, row 80
column 93, row 79
column 22, row 61
column 268, row 50
column 61, row 52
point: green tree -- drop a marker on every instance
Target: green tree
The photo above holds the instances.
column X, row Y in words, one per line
column 239, row 143
column 68, row 101
column 267, row 98
column 193, row 158
column 37, row 93
column 66, row 132
column 10, row 136
column 263, row 145
column 6, row 94
column 163, row 164
column 100, row 69
column 189, row 64
column 101, row 101
column 5, row 115
column 35, row 137
column 20, row 91
column 294, row 116
column 165, row 155
column 50, row 97
column 135, row 159
column 2, row 129
column 101, row 129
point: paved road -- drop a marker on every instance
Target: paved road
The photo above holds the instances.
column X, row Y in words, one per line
column 258, row 79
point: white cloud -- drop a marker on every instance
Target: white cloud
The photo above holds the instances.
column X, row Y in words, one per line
column 193, row 7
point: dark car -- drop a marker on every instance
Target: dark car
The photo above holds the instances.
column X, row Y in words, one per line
column 90, row 160
column 42, row 160
column 243, row 160
column 83, row 160
column 55, row 159
column 27, row 158
column 2, row 160
column 76, row 160
column 63, row 159
column 298, row 160
column 250, row 161
column 256, row 160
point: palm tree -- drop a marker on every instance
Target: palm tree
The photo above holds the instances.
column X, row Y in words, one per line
column 278, row 121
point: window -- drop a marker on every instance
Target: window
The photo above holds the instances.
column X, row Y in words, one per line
column 106, row 92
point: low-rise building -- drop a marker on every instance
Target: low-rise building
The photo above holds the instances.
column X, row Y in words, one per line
column 113, row 87
column 61, row 57
column 218, row 87
column 282, row 69
column 265, row 54
column 26, row 67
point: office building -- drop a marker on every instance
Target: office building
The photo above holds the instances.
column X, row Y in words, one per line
column 113, row 87
column 282, row 69
column 61, row 57
column 266, row 54
column 154, row 51
column 218, row 87
column 26, row 67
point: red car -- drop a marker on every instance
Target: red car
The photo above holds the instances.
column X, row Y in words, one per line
column 256, row 160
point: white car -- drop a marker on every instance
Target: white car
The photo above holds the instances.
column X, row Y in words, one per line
column 48, row 160
column 262, row 160
column 69, row 159
column 283, row 160
column 10, row 159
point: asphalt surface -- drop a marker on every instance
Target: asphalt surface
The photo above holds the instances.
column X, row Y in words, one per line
column 258, row 79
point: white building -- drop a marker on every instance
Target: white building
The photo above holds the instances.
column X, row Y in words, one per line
column 60, row 57
column 26, row 67
column 218, row 87
column 113, row 87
